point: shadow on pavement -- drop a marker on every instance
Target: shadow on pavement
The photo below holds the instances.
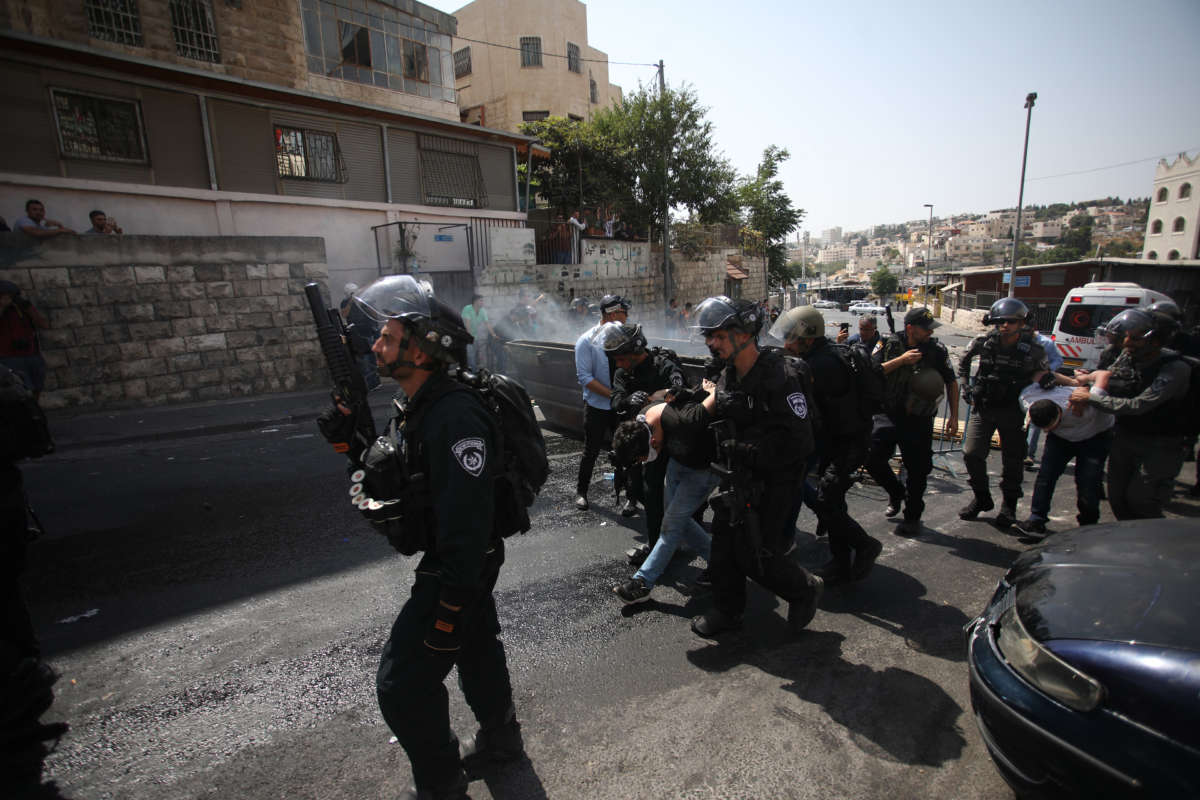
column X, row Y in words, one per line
column 517, row 781
column 895, row 601
column 890, row 712
column 980, row 550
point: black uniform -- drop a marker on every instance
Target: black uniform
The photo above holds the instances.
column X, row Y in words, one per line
column 447, row 435
column 1003, row 373
column 773, row 440
column 907, row 422
column 843, row 439
column 659, row 370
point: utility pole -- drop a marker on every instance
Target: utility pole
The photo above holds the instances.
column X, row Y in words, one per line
column 1030, row 99
column 668, row 278
column 928, row 252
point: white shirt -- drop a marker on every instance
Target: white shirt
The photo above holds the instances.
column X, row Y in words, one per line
column 1070, row 427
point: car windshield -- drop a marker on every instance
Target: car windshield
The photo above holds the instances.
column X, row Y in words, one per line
column 1082, row 319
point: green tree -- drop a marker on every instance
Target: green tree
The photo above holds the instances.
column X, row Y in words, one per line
column 884, row 282
column 585, row 166
column 768, row 211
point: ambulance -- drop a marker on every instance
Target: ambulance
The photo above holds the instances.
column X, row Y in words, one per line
column 1089, row 307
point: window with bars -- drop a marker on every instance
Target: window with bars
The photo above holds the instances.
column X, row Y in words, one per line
column 195, row 30
column 574, row 62
column 309, row 155
column 531, row 51
column 594, row 90
column 114, row 21
column 534, row 116
column 462, row 62
column 99, row 128
column 450, row 173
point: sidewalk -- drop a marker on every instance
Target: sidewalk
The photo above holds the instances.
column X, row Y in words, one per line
column 130, row 425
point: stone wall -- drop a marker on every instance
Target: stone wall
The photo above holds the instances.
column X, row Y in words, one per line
column 705, row 277
column 148, row 320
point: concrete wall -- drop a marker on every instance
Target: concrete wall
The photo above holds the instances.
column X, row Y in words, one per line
column 148, row 320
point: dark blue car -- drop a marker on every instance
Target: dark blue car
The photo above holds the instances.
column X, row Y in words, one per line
column 1085, row 665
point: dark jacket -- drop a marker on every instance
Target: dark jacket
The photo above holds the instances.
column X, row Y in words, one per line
column 836, row 394
column 770, row 410
column 657, row 371
column 686, row 436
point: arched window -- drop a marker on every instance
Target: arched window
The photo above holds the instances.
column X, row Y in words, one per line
column 1156, row 226
column 1152, row 255
column 1173, row 255
column 1180, row 222
column 1185, row 191
column 1162, row 195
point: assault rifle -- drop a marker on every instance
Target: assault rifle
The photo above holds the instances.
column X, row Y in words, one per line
column 349, row 386
column 890, row 319
column 739, row 495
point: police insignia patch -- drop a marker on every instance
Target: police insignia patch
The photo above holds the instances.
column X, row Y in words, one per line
column 471, row 455
column 798, row 404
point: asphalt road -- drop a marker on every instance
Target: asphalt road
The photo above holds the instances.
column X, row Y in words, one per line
column 217, row 610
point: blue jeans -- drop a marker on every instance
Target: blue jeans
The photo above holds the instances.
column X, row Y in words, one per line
column 1089, row 458
column 1031, row 441
column 685, row 489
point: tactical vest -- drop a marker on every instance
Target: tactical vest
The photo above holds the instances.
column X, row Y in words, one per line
column 1166, row 420
column 1003, row 371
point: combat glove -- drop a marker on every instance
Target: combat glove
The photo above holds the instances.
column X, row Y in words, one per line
column 967, row 396
column 443, row 637
column 637, row 400
column 337, row 428
column 1047, row 381
column 733, row 405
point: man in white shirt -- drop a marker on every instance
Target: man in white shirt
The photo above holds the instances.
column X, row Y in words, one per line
column 1085, row 437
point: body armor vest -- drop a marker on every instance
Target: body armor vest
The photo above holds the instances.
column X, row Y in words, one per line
column 1003, row 371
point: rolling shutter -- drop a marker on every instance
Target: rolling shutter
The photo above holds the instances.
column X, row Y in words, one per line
column 26, row 126
column 497, row 166
column 405, row 166
column 243, row 147
column 175, row 138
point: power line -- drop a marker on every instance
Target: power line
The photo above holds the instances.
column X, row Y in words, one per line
column 1101, row 169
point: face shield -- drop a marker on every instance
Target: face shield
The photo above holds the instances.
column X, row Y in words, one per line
column 713, row 314
column 396, row 297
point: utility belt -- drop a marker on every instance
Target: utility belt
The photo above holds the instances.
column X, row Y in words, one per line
column 994, row 392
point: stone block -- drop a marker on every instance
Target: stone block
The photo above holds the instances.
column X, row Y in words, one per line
column 189, row 291
column 163, row 384
column 279, row 271
column 247, row 288
column 277, row 287
column 108, row 393
column 166, row 347
column 220, row 289
column 276, row 350
column 149, row 274
column 236, row 339
column 182, row 275
column 300, row 318
column 55, row 358
column 135, row 312
column 296, row 271
column 193, row 326
column 241, row 372
column 47, row 299
column 260, row 320
column 135, row 389
column 204, row 308
column 216, row 358
column 304, row 349
column 50, row 278
column 81, row 296
column 208, row 341
column 154, row 293
column 273, row 335
column 221, row 323
column 185, row 362
column 173, row 309
column 132, row 350
column 215, row 392
column 280, row 319
column 116, row 276
column 116, row 294
column 18, row 276
column 234, row 272
column 85, row 276
column 206, row 273
column 81, row 355
column 117, row 332
column 65, row 317
column 293, row 302
column 201, row 377
column 150, row 330
column 108, row 353
column 256, row 271
column 83, row 335
column 182, row 396
column 315, row 271
column 141, row 368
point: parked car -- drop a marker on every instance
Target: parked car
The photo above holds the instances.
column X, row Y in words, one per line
column 1084, row 676
column 826, row 304
column 867, row 308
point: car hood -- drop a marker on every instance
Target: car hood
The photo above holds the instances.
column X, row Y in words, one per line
column 1136, row 581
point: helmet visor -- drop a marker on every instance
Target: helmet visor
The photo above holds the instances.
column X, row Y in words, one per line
column 713, row 314
column 395, row 297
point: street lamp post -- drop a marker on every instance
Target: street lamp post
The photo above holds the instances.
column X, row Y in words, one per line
column 1012, row 270
column 928, row 252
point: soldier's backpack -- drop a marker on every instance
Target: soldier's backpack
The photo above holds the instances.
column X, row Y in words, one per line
column 868, row 381
column 24, row 432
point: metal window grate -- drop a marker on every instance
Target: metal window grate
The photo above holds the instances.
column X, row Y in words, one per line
column 531, row 51
column 594, row 90
column 462, row 62
column 195, row 30
column 99, row 128
column 310, row 155
column 574, row 62
column 114, row 21
column 450, row 173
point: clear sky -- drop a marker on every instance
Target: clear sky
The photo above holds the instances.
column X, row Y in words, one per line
column 885, row 106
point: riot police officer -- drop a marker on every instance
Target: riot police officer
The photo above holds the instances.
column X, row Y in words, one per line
column 761, row 404
column 439, row 450
column 1009, row 358
column 842, row 440
column 916, row 369
column 643, row 374
column 1152, row 414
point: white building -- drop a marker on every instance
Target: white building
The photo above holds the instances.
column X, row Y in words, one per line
column 1173, row 229
column 831, row 236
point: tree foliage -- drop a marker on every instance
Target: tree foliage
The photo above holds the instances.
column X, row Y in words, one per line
column 768, row 211
column 884, row 282
column 585, row 166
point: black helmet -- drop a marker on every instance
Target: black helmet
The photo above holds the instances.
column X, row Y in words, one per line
column 579, row 303
column 1007, row 308
column 1167, row 307
column 1141, row 324
column 612, row 302
column 620, row 339
column 438, row 329
column 720, row 313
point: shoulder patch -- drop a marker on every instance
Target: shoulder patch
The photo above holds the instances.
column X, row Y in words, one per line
column 798, row 404
column 471, row 454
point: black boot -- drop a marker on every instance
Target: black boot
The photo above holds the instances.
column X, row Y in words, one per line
column 978, row 503
column 834, row 571
column 864, row 558
column 493, row 746
column 1008, row 513
column 801, row 612
column 714, row 622
column 454, row 788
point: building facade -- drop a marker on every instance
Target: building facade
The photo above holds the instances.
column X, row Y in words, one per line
column 539, row 63
column 216, row 118
column 1173, row 226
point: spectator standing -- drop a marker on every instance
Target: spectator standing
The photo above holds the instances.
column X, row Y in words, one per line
column 867, row 338
column 102, row 225
column 475, row 317
column 594, row 373
column 35, row 224
column 19, row 347
column 578, row 226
